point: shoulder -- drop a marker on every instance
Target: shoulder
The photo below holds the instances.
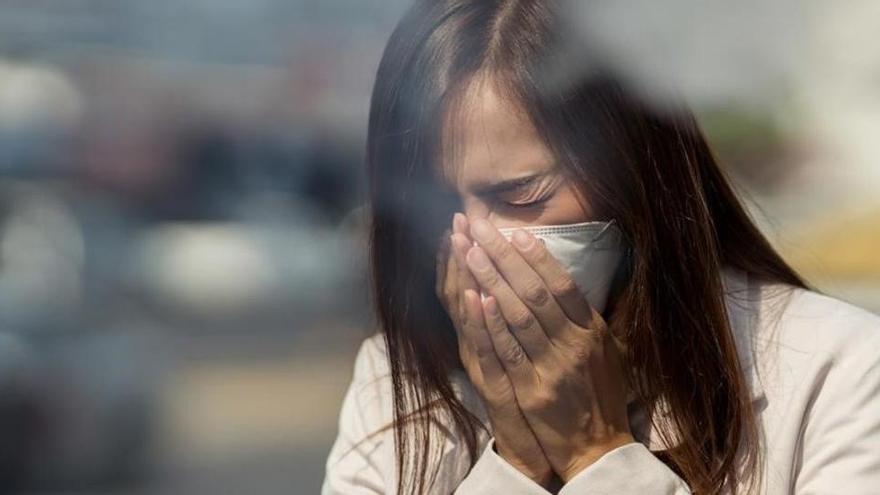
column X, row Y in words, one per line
column 371, row 360
column 797, row 337
column 362, row 456
column 808, row 345
column 371, row 365
column 370, row 390
column 810, row 322
column 822, row 383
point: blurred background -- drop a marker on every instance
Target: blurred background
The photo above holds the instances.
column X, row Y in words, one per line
column 181, row 251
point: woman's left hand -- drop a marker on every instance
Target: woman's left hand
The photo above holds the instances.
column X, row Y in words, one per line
column 564, row 365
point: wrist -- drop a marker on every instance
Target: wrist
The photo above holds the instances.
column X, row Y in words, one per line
column 544, row 477
column 592, row 455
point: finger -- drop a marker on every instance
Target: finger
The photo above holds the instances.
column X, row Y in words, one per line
column 521, row 277
column 442, row 264
column 453, row 296
column 458, row 267
column 463, row 281
column 555, row 277
column 475, row 331
column 461, row 244
column 465, row 278
column 451, row 277
column 508, row 349
column 459, row 223
column 526, row 328
column 458, row 241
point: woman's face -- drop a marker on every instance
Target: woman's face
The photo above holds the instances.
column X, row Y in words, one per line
column 504, row 172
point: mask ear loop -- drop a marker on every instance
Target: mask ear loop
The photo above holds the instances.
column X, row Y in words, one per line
column 606, row 228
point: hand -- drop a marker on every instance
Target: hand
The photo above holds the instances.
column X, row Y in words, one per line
column 564, row 366
column 456, row 289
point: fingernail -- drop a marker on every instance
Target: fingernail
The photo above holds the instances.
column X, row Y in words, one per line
column 468, row 292
column 477, row 259
column 522, row 240
column 481, row 230
column 491, row 306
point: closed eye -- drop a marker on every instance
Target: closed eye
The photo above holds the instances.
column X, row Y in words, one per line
column 529, row 204
column 536, row 197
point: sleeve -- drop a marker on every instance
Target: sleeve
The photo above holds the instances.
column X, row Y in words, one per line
column 630, row 469
column 491, row 474
column 841, row 434
column 357, row 464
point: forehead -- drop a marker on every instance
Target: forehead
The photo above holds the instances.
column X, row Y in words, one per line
column 488, row 138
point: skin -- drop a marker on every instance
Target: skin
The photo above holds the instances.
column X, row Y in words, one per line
column 543, row 362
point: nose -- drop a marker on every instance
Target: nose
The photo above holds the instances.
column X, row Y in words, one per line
column 475, row 207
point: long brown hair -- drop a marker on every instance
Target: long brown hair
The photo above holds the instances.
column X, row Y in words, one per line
column 649, row 169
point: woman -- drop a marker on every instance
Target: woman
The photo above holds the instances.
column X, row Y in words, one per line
column 653, row 343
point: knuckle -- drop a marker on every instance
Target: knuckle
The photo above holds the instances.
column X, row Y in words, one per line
column 484, row 350
column 513, row 354
column 538, row 401
column 599, row 328
column 499, row 399
column 503, row 249
column 491, row 278
column 564, row 287
column 483, row 356
column 583, row 354
column 594, row 334
column 536, row 294
column 522, row 320
column 541, row 254
column 496, row 323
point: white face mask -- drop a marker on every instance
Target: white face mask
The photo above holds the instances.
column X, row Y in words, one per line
column 591, row 252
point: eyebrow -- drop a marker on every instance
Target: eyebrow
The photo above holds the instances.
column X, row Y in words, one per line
column 509, row 184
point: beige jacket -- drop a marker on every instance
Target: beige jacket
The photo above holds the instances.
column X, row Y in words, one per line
column 813, row 367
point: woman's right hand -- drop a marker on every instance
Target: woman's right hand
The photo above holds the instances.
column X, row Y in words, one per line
column 459, row 293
